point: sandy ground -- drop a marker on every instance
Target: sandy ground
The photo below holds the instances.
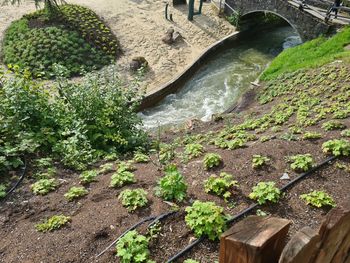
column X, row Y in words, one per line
column 140, row 26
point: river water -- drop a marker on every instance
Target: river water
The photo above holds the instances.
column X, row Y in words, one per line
column 220, row 82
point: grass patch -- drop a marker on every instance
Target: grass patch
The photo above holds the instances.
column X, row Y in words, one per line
column 311, row 54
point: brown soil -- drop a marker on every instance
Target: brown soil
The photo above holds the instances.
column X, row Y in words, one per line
column 99, row 218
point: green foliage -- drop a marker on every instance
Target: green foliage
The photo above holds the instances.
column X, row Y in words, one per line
column 265, row 191
column 106, row 168
column 166, row 153
column 133, row 199
column 44, row 186
column 193, row 150
column 39, row 49
column 75, row 122
column 220, row 185
column 312, row 135
column 301, row 162
column 205, row 218
column 75, row 192
column 141, row 157
column 87, row 177
column 259, row 161
column 332, row 125
column 133, row 248
column 121, row 178
column 311, row 54
column 53, row 223
column 233, row 19
column 211, row 160
column 191, row 261
column 3, row 189
column 345, row 133
column 172, row 186
column 318, row 199
column 337, row 147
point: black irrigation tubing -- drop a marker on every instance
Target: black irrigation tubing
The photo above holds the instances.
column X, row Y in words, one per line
column 253, row 206
column 154, row 218
column 24, row 171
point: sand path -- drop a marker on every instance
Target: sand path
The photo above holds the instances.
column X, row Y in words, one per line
column 140, row 25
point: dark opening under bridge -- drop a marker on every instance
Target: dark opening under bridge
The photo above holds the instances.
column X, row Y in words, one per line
column 309, row 20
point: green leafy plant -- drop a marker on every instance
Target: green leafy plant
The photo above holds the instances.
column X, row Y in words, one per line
column 318, row 199
column 141, row 157
column 191, row 261
column 3, row 189
column 75, row 192
column 193, row 150
column 312, row 135
column 301, row 162
column 87, row 177
column 121, row 178
column 211, row 160
column 220, row 185
column 44, row 186
column 265, row 191
column 332, row 125
column 53, row 223
column 106, row 168
column 133, row 199
column 337, row 147
column 205, row 218
column 259, row 161
column 172, row 186
column 345, row 133
column 166, row 153
column 133, row 248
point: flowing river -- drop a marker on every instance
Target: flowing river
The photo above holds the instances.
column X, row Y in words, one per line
column 220, row 82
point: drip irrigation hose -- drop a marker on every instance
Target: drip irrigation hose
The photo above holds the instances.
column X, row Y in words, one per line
column 154, row 218
column 253, row 206
column 24, row 171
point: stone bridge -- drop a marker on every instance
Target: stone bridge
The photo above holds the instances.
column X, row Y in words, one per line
column 307, row 25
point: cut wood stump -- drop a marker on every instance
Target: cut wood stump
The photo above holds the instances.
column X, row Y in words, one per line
column 254, row 240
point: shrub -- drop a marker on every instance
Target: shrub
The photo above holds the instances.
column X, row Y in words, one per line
column 44, row 186
column 193, row 150
column 220, row 185
column 121, row 178
column 211, row 160
column 133, row 199
column 337, row 147
column 259, row 160
column 205, row 218
column 318, row 199
column 332, row 125
column 133, row 247
column 52, row 223
column 75, row 192
column 87, row 177
column 301, row 162
column 172, row 186
column 265, row 191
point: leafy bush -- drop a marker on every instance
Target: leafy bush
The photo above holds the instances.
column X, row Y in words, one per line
column 332, row 125
column 265, row 191
column 259, row 160
column 87, row 177
column 52, row 223
column 301, row 162
column 133, row 199
column 75, row 192
column 133, row 248
column 194, row 150
column 141, row 157
column 172, row 186
column 220, row 185
column 121, row 178
column 205, row 218
column 38, row 49
column 211, row 160
column 337, row 147
column 76, row 122
column 44, row 186
column 318, row 199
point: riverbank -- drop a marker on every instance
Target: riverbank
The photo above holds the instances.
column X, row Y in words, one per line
column 140, row 26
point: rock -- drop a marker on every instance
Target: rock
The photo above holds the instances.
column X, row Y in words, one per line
column 168, row 38
column 138, row 62
column 285, row 176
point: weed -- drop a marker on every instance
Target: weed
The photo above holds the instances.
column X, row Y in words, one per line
column 318, row 199
column 75, row 192
column 133, row 199
column 52, row 223
column 265, row 191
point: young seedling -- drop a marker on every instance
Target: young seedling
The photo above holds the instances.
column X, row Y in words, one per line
column 265, row 192
column 318, row 199
column 258, row 161
column 52, row 223
column 140, row 157
column 133, row 199
column 312, row 136
column 75, row 192
column 211, row 160
column 44, row 186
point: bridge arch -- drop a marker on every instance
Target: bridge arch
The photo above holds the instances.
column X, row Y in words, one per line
column 307, row 26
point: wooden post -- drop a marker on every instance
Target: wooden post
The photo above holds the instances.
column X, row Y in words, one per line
column 254, row 240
